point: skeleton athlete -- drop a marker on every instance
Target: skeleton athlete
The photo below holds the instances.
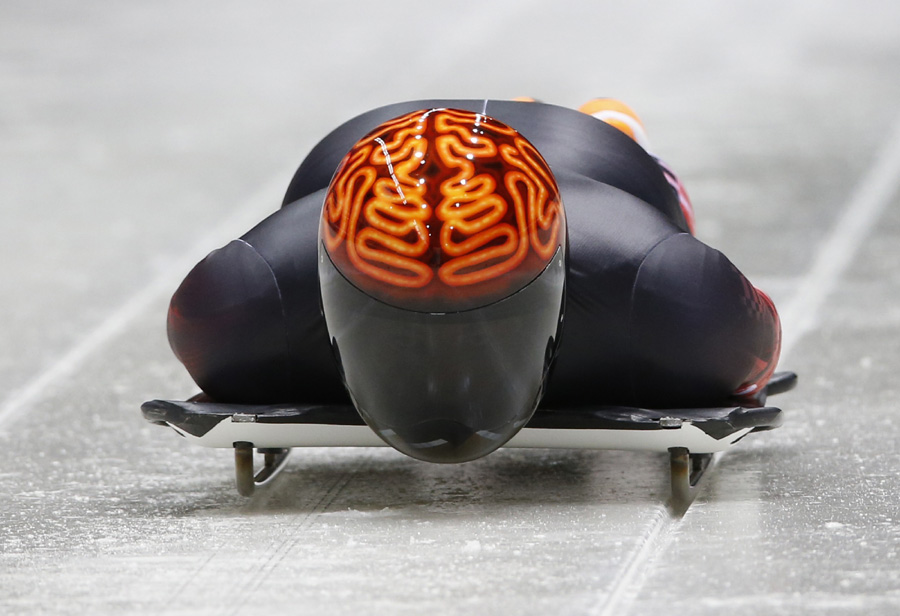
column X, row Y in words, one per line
column 449, row 265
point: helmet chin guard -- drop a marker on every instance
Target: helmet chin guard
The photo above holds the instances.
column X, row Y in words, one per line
column 442, row 272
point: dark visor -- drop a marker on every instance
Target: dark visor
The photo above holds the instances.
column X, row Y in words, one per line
column 445, row 387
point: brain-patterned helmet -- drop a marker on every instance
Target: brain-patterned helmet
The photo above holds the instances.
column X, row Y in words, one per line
column 442, row 210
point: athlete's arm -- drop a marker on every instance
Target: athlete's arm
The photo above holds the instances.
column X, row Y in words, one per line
column 246, row 321
column 700, row 331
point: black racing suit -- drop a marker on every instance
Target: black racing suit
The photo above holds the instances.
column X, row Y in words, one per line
column 653, row 316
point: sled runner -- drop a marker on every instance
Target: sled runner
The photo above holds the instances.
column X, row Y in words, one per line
column 690, row 435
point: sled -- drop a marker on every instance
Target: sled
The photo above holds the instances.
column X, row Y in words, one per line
column 689, row 435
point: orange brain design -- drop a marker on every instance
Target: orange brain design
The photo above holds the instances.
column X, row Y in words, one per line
column 442, row 209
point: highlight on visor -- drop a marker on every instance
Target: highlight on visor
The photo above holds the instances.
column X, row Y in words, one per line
column 442, row 273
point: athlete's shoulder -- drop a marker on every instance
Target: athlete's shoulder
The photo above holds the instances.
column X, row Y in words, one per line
column 682, row 266
column 569, row 140
column 693, row 321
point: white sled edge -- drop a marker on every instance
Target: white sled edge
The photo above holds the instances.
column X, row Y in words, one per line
column 272, row 435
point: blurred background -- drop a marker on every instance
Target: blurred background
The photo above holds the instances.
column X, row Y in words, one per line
column 136, row 137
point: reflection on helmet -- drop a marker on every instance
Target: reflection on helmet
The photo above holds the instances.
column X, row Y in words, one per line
column 442, row 210
column 442, row 273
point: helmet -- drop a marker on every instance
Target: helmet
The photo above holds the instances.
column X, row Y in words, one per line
column 442, row 248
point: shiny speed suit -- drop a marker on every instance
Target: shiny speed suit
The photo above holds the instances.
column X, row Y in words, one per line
column 653, row 317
